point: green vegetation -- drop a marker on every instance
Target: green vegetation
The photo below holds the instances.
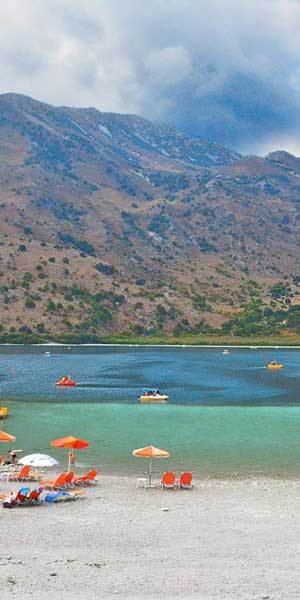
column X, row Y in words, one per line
column 280, row 290
column 27, row 279
column 260, row 320
column 105, row 269
column 200, row 304
column 82, row 245
column 29, row 303
column 172, row 182
column 62, row 210
column 206, row 246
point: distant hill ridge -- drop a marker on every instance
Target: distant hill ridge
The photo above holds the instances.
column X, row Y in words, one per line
column 111, row 223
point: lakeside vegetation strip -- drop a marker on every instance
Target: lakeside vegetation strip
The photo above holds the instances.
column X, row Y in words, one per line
column 252, row 343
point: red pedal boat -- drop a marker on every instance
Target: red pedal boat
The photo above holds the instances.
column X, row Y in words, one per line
column 66, row 382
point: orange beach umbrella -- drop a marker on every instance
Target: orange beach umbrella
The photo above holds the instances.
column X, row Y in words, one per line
column 71, row 443
column 6, row 437
column 150, row 452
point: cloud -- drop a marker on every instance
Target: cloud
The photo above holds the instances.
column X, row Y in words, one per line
column 168, row 66
column 227, row 71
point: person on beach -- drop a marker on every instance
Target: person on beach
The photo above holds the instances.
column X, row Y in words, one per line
column 11, row 458
column 72, row 459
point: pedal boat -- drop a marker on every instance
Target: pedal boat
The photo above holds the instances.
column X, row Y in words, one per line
column 274, row 366
column 3, row 412
column 153, row 395
column 66, row 382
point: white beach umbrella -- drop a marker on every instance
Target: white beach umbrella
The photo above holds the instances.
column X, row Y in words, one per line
column 38, row 460
column 150, row 452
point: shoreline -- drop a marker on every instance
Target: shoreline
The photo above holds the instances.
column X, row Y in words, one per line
column 249, row 346
column 160, row 341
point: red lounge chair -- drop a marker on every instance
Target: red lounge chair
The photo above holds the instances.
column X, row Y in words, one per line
column 23, row 475
column 185, row 481
column 34, row 497
column 20, row 475
column 54, row 484
column 21, row 495
column 87, row 479
column 168, row 481
column 68, row 479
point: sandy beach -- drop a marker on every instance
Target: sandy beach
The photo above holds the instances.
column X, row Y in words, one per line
column 226, row 539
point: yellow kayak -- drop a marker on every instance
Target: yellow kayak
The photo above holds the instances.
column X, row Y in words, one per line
column 274, row 367
column 3, row 412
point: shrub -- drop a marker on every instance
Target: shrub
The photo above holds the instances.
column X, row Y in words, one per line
column 25, row 329
column 138, row 329
column 279, row 290
column 82, row 245
column 50, row 307
column 105, row 269
column 200, row 304
column 138, row 306
column 29, row 303
column 27, row 230
column 103, row 314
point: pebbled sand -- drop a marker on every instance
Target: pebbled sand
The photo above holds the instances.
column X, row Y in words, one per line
column 232, row 539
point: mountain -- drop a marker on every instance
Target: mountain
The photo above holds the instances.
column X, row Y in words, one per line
column 112, row 224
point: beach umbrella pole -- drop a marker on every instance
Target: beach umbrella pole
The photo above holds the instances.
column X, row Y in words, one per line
column 150, row 472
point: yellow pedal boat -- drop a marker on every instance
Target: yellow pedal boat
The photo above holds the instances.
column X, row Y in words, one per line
column 274, row 365
column 153, row 395
column 3, row 412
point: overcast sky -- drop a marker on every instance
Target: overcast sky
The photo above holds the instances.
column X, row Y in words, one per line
column 226, row 70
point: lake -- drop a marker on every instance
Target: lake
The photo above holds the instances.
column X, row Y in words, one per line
column 227, row 414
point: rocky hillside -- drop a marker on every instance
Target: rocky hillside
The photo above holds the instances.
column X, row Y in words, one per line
column 111, row 224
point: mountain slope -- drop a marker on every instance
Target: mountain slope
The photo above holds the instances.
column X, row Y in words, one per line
column 110, row 223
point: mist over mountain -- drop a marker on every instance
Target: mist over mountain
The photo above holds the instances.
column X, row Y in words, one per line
column 223, row 71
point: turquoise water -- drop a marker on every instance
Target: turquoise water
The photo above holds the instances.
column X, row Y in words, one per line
column 226, row 414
